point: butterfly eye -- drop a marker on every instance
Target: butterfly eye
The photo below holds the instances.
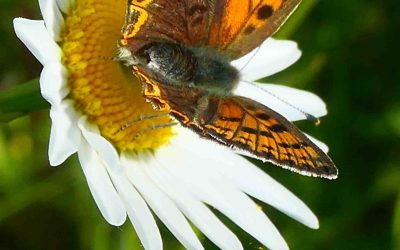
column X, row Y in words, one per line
column 159, row 53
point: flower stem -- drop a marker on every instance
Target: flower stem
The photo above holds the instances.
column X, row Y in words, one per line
column 21, row 100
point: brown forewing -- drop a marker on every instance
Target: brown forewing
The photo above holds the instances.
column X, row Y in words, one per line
column 231, row 27
column 180, row 21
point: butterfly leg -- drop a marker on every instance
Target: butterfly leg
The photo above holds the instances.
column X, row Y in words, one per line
column 153, row 127
column 141, row 118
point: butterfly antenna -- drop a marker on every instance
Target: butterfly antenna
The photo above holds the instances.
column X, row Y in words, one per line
column 251, row 58
column 308, row 116
column 123, row 57
column 110, row 58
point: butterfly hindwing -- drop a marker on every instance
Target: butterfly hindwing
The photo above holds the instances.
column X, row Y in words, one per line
column 247, row 125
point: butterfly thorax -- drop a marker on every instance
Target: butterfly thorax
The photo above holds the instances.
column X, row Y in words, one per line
column 179, row 66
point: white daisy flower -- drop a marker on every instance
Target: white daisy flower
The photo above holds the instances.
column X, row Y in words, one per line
column 169, row 172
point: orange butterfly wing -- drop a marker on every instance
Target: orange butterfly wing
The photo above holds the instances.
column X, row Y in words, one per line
column 240, row 123
column 232, row 27
column 247, row 125
column 240, row 26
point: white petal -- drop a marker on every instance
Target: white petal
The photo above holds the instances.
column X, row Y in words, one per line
column 66, row 5
column 100, row 185
column 266, row 189
column 161, row 204
column 214, row 189
column 249, row 178
column 53, row 82
column 194, row 209
column 270, row 58
column 287, row 101
column 36, row 38
column 65, row 136
column 103, row 147
column 52, row 18
column 138, row 212
column 319, row 143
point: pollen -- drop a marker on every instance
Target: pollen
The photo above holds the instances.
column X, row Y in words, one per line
column 104, row 89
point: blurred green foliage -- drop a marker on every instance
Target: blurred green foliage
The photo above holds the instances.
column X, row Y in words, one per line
column 350, row 58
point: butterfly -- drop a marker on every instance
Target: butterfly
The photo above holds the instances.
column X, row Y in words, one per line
column 181, row 51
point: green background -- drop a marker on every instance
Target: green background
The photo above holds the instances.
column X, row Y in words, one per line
column 350, row 59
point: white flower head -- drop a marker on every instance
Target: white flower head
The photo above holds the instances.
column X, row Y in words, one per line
column 170, row 171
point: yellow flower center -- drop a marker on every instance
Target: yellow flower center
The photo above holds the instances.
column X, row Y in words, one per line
column 105, row 90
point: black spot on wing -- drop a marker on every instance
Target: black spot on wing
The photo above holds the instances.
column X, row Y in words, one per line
column 278, row 128
column 265, row 12
column 293, row 146
column 249, row 29
column 230, row 119
column 254, row 131
column 262, row 116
